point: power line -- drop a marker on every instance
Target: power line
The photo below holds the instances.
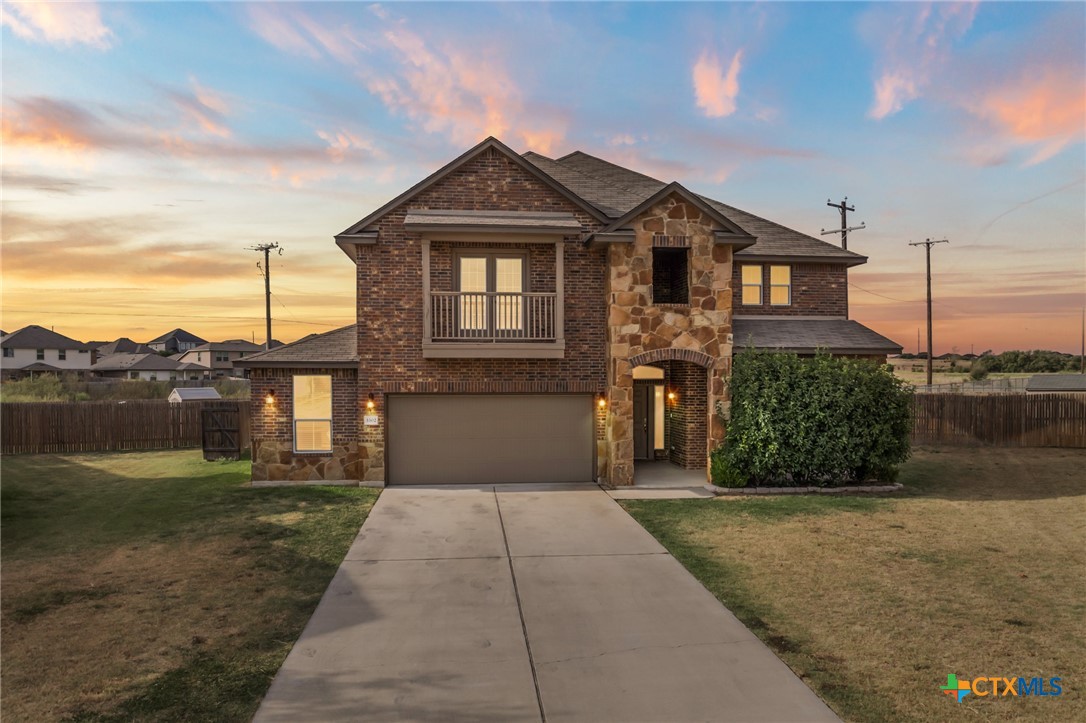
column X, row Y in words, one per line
column 883, row 296
column 266, row 250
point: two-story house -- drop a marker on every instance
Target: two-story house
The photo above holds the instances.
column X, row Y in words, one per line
column 528, row 319
column 37, row 350
column 219, row 357
column 175, row 342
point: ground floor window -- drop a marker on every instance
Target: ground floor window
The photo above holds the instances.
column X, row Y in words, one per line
column 313, row 413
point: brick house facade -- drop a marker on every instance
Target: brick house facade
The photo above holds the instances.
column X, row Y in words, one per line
column 503, row 304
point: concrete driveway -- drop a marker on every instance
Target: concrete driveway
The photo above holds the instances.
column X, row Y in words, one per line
column 524, row 603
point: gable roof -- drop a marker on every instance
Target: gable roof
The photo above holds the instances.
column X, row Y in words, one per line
column 124, row 345
column 735, row 235
column 148, row 361
column 231, row 345
column 337, row 348
column 37, row 337
column 189, row 394
column 180, row 335
column 618, row 190
column 490, row 143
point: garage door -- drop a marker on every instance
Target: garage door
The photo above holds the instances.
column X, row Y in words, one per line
column 489, row 439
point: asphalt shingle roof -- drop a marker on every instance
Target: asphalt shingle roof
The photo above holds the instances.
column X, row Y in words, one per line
column 37, row 337
column 136, row 362
column 808, row 335
column 338, row 347
column 615, row 190
column 180, row 335
column 124, row 345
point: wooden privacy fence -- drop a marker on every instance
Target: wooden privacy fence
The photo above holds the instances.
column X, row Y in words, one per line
column 50, row 427
column 1004, row 420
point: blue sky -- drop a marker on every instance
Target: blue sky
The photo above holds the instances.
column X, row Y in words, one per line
column 146, row 145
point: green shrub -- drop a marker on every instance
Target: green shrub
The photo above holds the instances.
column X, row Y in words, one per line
column 816, row 421
column 978, row 371
column 721, row 471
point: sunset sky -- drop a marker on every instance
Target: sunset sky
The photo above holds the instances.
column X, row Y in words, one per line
column 145, row 146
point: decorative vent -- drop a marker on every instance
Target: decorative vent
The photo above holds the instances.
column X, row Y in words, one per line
column 670, row 242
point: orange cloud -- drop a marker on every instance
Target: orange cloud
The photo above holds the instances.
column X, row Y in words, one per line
column 60, row 23
column 1044, row 108
column 715, row 90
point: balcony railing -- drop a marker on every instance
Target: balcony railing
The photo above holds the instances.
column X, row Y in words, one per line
column 492, row 317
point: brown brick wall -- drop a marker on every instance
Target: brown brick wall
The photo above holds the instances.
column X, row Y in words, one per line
column 817, row 290
column 273, row 434
column 390, row 299
column 686, row 416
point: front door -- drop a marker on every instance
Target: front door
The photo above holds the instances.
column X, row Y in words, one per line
column 642, row 421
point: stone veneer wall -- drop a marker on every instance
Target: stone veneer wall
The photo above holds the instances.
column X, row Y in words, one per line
column 817, row 290
column 274, row 458
column 697, row 331
column 390, row 301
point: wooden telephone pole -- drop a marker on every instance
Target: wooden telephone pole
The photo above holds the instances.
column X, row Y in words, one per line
column 266, row 271
column 927, row 244
column 844, row 208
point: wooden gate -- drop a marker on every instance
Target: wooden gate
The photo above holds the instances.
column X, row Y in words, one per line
column 224, row 430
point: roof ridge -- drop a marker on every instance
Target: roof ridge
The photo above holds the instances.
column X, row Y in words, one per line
column 609, row 163
column 311, row 337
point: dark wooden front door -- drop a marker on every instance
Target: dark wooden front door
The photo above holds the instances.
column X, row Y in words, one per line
column 642, row 421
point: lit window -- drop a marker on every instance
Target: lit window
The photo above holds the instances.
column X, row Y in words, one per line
column 780, row 285
column 313, row 413
column 752, row 285
column 491, row 292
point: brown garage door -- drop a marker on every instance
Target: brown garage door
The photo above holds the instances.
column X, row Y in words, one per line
column 489, row 439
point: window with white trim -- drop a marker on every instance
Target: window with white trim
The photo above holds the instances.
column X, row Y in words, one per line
column 9, row 352
column 752, row 284
column 221, row 356
column 313, row 413
column 62, row 355
column 40, row 354
column 780, row 285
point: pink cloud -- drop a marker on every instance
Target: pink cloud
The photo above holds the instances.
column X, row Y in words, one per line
column 59, row 23
column 292, row 30
column 913, row 41
column 714, row 89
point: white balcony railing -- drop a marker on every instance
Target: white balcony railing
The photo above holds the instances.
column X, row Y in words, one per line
column 492, row 317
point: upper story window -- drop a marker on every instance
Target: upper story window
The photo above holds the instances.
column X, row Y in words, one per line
column 670, row 276
column 221, row 356
column 313, row 413
column 62, row 354
column 752, row 284
column 9, row 352
column 780, row 285
column 40, row 354
column 491, row 287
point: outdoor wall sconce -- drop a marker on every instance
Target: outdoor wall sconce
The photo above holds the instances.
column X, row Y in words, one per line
column 671, row 396
column 269, row 398
column 370, row 403
column 601, row 401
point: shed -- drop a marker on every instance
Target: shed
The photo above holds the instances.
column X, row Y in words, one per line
column 193, row 394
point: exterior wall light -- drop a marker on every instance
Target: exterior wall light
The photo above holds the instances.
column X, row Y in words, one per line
column 601, row 401
column 671, row 396
column 269, row 398
column 370, row 403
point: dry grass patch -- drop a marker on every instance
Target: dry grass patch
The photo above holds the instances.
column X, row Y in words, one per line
column 976, row 570
column 155, row 586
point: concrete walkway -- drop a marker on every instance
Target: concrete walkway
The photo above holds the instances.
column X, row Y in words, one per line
column 524, row 603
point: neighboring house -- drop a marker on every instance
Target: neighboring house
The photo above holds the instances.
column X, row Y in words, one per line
column 176, row 341
column 1056, row 384
column 527, row 319
column 34, row 349
column 193, row 394
column 124, row 345
column 147, row 366
column 219, row 357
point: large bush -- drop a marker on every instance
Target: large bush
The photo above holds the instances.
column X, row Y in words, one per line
column 815, row 421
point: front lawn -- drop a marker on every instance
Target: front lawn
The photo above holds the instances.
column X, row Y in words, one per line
column 156, row 585
column 977, row 569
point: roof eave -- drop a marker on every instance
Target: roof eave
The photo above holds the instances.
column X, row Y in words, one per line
column 850, row 260
column 270, row 364
column 349, row 243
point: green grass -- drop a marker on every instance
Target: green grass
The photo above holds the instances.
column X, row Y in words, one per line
column 976, row 569
column 157, row 586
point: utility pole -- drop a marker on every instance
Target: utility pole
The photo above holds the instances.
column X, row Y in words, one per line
column 844, row 208
column 927, row 244
column 1082, row 358
column 266, row 270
